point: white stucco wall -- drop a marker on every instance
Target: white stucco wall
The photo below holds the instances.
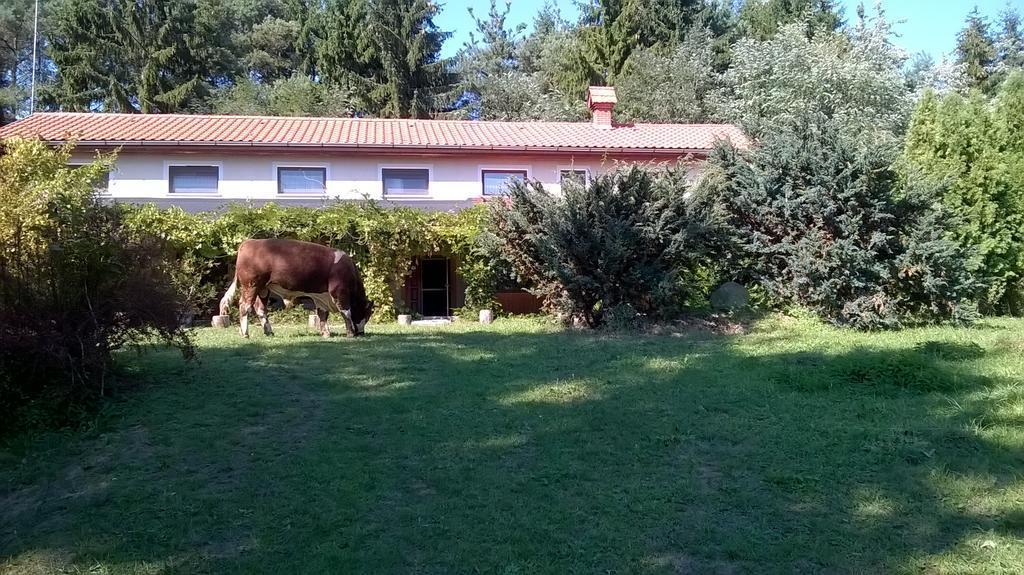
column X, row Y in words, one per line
column 245, row 176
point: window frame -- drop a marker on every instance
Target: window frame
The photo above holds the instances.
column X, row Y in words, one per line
column 381, row 169
column 484, row 170
column 181, row 164
column 586, row 174
column 306, row 166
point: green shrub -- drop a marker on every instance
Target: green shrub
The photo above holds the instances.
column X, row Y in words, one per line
column 626, row 240
column 976, row 148
column 74, row 286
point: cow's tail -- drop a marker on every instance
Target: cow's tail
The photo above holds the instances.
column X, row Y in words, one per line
column 229, row 296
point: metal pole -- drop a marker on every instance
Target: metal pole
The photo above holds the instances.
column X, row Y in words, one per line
column 35, row 44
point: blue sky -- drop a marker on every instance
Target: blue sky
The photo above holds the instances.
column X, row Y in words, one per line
column 923, row 25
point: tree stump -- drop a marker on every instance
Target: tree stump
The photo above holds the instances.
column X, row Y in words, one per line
column 486, row 316
column 221, row 321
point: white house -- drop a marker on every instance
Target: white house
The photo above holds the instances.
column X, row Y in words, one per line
column 201, row 162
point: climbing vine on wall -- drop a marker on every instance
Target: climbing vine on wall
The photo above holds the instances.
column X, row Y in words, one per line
column 383, row 240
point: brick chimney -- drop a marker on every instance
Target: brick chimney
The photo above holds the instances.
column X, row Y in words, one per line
column 601, row 100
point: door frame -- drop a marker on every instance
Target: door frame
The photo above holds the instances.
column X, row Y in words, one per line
column 447, row 284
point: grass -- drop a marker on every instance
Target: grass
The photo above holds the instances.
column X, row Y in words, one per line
column 519, row 448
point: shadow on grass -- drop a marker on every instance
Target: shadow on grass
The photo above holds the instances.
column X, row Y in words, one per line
column 483, row 451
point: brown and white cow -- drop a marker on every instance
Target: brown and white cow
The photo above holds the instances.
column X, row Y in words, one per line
column 290, row 269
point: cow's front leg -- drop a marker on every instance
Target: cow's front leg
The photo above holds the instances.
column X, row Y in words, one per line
column 325, row 330
column 350, row 326
column 261, row 312
column 341, row 301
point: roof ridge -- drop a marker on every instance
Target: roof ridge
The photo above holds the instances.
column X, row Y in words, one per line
column 360, row 119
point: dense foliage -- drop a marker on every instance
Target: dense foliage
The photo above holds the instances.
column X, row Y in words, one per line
column 853, row 78
column 976, row 147
column 74, row 286
column 619, row 247
column 384, row 58
column 822, row 220
column 384, row 242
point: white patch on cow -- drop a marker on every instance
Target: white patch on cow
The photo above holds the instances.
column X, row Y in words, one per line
column 338, row 254
column 321, row 300
column 362, row 326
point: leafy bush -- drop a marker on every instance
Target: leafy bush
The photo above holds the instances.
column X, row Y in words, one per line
column 822, row 219
column 383, row 241
column 624, row 241
column 74, row 287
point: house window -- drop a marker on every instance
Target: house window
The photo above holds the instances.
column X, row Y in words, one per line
column 496, row 182
column 193, row 179
column 580, row 176
column 405, row 182
column 301, row 180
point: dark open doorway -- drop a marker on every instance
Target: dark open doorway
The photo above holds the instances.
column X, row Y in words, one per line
column 434, row 287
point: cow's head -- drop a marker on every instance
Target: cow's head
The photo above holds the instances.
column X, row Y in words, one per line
column 361, row 316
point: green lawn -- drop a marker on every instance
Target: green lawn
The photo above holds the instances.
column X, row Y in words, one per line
column 520, row 448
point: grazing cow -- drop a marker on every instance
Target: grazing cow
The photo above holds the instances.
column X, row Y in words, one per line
column 290, row 270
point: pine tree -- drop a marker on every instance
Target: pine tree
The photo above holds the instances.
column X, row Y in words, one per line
column 976, row 51
column 135, row 55
column 345, row 51
column 15, row 57
column 413, row 78
column 613, row 29
column 762, row 19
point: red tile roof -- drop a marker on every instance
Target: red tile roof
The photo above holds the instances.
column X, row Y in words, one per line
column 131, row 130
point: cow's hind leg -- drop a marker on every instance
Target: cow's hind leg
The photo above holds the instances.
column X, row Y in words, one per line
column 261, row 312
column 325, row 330
column 245, row 305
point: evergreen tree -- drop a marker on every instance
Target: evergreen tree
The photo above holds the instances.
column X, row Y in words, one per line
column 762, row 19
column 976, row 51
column 345, row 51
column 15, row 57
column 308, row 20
column 265, row 36
column 413, row 79
column 135, row 55
column 613, row 29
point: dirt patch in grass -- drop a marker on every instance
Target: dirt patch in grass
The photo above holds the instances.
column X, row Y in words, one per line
column 715, row 324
